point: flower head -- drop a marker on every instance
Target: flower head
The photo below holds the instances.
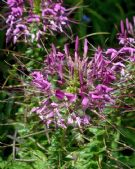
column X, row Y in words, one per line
column 76, row 84
column 127, row 32
column 45, row 16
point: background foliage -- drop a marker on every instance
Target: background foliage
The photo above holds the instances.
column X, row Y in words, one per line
column 24, row 142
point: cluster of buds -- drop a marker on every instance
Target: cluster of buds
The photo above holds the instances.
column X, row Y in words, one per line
column 127, row 33
column 28, row 21
column 75, row 85
column 126, row 38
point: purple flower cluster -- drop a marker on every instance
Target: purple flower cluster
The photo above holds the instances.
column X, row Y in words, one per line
column 72, row 85
column 16, row 28
column 23, row 21
column 53, row 16
column 126, row 38
column 127, row 33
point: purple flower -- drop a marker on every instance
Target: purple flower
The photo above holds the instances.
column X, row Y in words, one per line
column 86, row 120
column 33, row 18
column 16, row 12
column 61, row 112
column 61, row 123
column 53, row 17
column 40, row 82
column 101, row 96
column 85, row 48
column 112, row 52
column 85, row 102
column 104, row 88
column 71, row 97
column 77, row 83
column 101, row 68
column 126, row 35
column 118, row 66
column 15, row 3
column 59, row 94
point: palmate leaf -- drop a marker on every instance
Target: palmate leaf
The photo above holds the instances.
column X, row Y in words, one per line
column 41, row 160
column 36, row 160
column 12, row 164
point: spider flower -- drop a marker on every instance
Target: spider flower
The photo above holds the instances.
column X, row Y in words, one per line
column 38, row 19
column 72, row 84
column 126, row 36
